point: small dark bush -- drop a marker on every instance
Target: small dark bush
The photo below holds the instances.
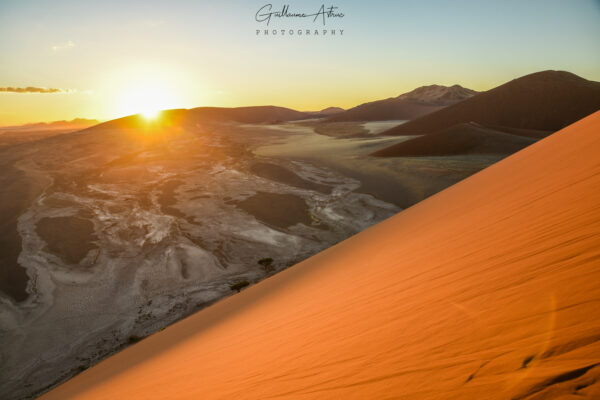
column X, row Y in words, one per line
column 265, row 261
column 133, row 339
column 239, row 285
column 267, row 264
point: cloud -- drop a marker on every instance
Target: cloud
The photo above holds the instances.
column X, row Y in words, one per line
column 32, row 89
column 63, row 46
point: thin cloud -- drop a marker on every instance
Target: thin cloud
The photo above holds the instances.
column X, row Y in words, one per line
column 63, row 46
column 33, row 89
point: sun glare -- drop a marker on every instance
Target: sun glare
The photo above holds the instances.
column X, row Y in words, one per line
column 150, row 114
column 147, row 93
column 147, row 100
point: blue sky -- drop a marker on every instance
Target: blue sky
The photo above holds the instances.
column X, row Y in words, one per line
column 105, row 55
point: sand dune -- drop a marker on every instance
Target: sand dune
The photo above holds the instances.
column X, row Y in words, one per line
column 193, row 116
column 467, row 138
column 326, row 112
column 421, row 101
column 250, row 115
column 488, row 290
column 547, row 100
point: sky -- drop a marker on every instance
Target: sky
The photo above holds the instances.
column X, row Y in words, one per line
column 106, row 59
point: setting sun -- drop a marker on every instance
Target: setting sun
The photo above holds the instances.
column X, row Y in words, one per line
column 150, row 114
column 145, row 89
column 147, row 100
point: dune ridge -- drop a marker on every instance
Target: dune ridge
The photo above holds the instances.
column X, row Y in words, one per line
column 488, row 289
column 546, row 100
column 191, row 117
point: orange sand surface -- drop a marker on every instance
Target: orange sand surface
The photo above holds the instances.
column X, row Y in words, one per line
column 488, row 290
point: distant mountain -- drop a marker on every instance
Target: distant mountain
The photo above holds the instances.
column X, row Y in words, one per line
column 326, row 112
column 331, row 111
column 74, row 123
column 547, row 100
column 438, row 95
column 421, row 101
column 467, row 138
column 77, row 123
column 185, row 117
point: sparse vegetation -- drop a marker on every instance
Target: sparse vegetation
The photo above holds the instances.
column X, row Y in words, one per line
column 134, row 339
column 267, row 264
column 239, row 285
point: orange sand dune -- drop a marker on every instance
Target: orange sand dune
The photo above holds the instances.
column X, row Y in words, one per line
column 488, row 290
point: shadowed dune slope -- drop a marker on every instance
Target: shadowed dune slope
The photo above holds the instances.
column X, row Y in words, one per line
column 421, row 101
column 469, row 138
column 487, row 290
column 547, row 101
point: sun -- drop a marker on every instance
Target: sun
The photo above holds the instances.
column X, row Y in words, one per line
column 146, row 88
column 146, row 99
column 150, row 114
